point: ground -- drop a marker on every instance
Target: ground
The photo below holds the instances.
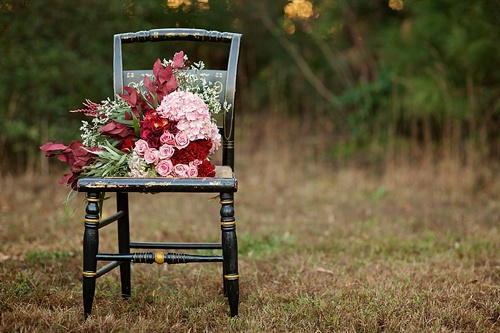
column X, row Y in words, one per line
column 322, row 248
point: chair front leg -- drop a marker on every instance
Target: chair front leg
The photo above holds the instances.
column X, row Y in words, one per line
column 90, row 249
column 229, row 252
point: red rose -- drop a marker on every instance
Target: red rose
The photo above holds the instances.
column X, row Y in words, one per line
column 151, row 135
column 152, row 128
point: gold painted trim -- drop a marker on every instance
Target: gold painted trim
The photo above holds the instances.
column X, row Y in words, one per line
column 232, row 277
column 224, row 121
column 227, row 202
column 159, row 258
column 93, row 200
column 89, row 274
column 228, row 223
column 92, row 220
column 228, row 144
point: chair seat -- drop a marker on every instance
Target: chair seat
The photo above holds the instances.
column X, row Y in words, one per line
column 224, row 181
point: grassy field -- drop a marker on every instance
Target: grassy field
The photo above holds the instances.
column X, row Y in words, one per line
column 321, row 249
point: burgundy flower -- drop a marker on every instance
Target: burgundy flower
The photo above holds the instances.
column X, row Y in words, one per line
column 162, row 74
column 131, row 97
column 151, row 136
column 152, row 128
column 206, row 169
column 82, row 155
column 200, row 149
column 71, row 178
column 189, row 158
column 92, row 109
column 178, row 59
column 128, row 144
column 151, row 88
column 52, row 148
column 136, row 103
column 120, row 132
column 180, row 157
column 116, row 130
column 166, row 82
column 196, row 150
column 76, row 155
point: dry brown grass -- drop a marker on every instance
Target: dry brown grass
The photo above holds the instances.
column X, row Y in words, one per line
column 321, row 250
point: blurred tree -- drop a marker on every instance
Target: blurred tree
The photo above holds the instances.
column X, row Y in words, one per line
column 366, row 71
column 426, row 74
column 57, row 53
column 442, row 60
column 52, row 56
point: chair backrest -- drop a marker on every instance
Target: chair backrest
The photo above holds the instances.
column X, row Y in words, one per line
column 224, row 80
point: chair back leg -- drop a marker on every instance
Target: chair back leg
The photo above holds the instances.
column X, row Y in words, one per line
column 124, row 242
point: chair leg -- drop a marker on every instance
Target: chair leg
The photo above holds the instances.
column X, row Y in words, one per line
column 124, row 242
column 224, row 281
column 90, row 249
column 229, row 252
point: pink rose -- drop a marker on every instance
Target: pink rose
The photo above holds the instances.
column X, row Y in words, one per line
column 195, row 163
column 167, row 138
column 181, row 140
column 180, row 170
column 164, row 168
column 141, row 146
column 192, row 172
column 151, row 156
column 166, row 152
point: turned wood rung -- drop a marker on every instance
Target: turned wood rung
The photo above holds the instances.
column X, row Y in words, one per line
column 110, row 219
column 150, row 258
column 176, row 246
column 105, row 269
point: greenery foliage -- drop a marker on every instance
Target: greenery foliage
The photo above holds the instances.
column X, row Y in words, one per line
column 424, row 76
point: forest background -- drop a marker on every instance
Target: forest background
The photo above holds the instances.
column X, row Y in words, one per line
column 367, row 155
column 370, row 82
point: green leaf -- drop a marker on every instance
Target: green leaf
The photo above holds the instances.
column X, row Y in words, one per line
column 70, row 196
column 113, row 149
column 137, row 127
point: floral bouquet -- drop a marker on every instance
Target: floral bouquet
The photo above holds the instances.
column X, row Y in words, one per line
column 161, row 128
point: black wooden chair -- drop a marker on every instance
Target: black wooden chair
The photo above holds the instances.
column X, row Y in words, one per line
column 224, row 183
